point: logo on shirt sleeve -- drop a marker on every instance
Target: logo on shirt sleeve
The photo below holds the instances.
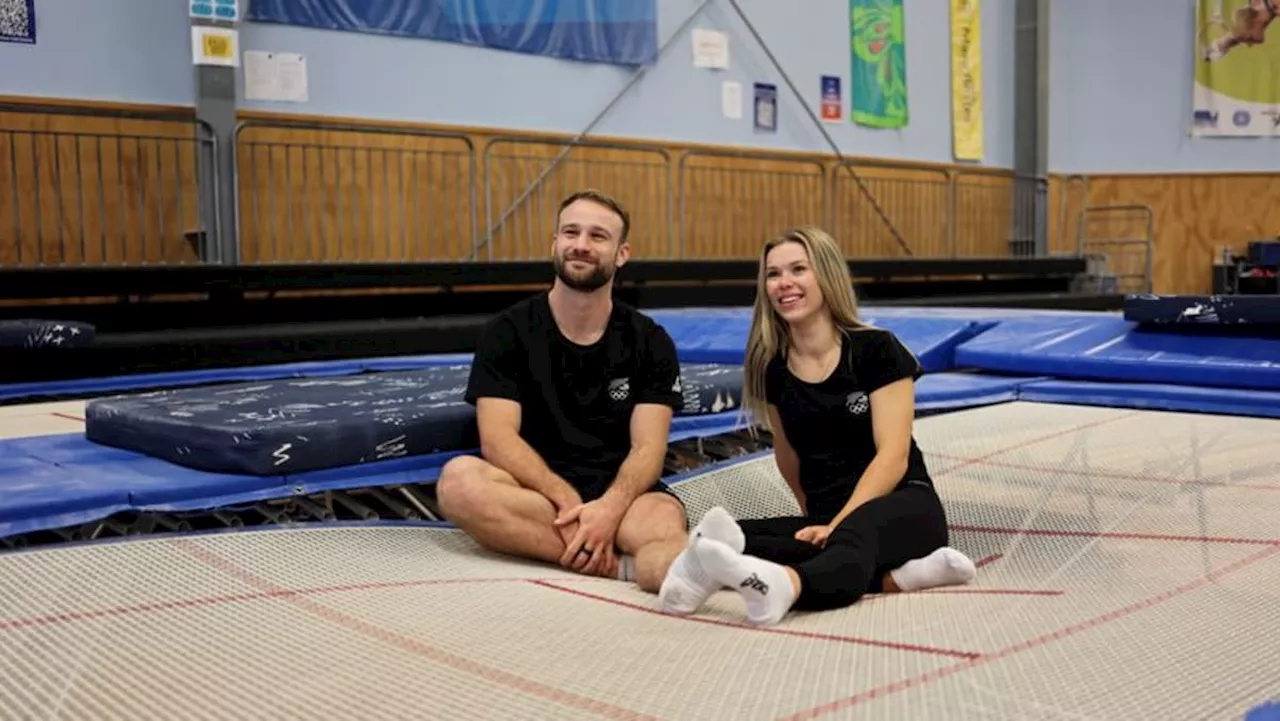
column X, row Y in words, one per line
column 857, row 403
column 619, row 389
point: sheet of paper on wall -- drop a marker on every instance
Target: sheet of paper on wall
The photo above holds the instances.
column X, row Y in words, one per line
column 214, row 46
column 731, row 100
column 710, row 49
column 279, row 77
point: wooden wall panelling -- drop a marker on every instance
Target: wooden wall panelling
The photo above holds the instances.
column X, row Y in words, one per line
column 1196, row 216
column 83, row 190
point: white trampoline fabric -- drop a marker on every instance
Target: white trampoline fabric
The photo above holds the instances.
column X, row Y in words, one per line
column 1129, row 566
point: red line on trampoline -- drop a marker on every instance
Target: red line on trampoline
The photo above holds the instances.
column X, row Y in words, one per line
column 770, row 630
column 988, row 560
column 412, row 645
column 1032, row 441
column 181, row 603
column 1110, row 475
column 1086, row 625
column 1117, row 535
column 67, row 416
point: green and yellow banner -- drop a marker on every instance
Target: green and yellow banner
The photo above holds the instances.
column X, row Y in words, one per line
column 966, row 79
column 1237, row 68
column 877, row 35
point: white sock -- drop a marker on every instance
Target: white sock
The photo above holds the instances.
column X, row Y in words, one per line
column 944, row 567
column 764, row 585
column 687, row 586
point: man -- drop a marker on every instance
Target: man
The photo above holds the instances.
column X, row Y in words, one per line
column 574, row 395
column 1248, row 27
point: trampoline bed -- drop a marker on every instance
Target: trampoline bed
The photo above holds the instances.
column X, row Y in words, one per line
column 1128, row 565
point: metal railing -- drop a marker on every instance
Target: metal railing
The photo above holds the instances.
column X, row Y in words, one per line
column 731, row 202
column 526, row 178
column 1118, row 241
column 99, row 188
column 94, row 188
column 330, row 193
column 914, row 199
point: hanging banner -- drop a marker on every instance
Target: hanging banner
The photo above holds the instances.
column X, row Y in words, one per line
column 620, row 32
column 877, row 36
column 966, row 78
column 1237, row 68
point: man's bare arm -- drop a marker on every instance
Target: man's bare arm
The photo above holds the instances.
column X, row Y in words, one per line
column 650, row 426
column 498, row 420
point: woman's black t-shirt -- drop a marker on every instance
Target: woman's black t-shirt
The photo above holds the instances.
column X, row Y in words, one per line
column 829, row 423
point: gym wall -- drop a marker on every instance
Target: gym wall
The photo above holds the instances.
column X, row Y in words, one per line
column 1120, row 107
column 1119, row 99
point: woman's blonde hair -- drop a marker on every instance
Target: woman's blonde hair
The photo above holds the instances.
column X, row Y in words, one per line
column 769, row 334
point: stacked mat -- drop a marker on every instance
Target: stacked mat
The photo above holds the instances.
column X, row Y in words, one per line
column 303, row 424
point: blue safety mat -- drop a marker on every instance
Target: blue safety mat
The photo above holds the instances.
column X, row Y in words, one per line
column 52, row 481
column 307, row 424
column 951, row 391
column 1155, row 396
column 719, row 335
column 33, row 333
column 1269, row 711
column 1110, row 348
column 1203, row 309
column 178, row 379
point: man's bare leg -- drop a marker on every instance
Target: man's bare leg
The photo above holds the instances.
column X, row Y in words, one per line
column 653, row 531
column 497, row 512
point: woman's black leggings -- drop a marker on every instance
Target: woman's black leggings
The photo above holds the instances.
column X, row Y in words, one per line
column 879, row 536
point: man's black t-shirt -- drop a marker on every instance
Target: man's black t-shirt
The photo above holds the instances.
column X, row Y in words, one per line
column 576, row 400
column 829, row 423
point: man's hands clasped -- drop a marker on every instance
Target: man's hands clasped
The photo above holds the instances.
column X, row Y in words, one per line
column 589, row 531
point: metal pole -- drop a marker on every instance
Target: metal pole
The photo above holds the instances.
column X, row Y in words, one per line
column 216, row 107
column 818, row 123
column 635, row 78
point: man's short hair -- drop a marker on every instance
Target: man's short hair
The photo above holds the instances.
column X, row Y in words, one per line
column 602, row 198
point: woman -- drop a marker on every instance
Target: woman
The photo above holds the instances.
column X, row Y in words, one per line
column 839, row 397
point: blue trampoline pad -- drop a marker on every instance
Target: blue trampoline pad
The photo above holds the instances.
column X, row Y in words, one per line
column 719, row 335
column 1113, row 349
column 178, row 379
column 1155, row 396
column 1269, row 711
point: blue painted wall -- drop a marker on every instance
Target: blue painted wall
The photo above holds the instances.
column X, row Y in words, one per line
column 1120, row 93
column 128, row 51
column 405, row 79
column 99, row 50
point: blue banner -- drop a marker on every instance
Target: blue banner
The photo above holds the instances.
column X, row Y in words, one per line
column 621, row 32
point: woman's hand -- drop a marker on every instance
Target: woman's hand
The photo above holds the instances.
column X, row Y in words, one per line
column 817, row 535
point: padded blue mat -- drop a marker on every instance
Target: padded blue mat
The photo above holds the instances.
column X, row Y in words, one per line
column 295, row 425
column 1155, row 396
column 32, row 333
column 1111, row 348
column 1203, row 309
column 51, row 481
column 178, row 379
column 719, row 335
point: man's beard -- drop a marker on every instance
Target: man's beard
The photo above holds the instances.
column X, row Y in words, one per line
column 596, row 279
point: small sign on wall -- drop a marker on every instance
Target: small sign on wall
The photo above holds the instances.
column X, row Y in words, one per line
column 18, row 21
column 832, row 103
column 766, row 105
column 225, row 10
column 214, row 46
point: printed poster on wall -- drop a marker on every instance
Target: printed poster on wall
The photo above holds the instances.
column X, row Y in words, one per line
column 1237, row 69
column 766, row 115
column 832, row 104
column 877, row 36
column 966, row 79
column 18, row 21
